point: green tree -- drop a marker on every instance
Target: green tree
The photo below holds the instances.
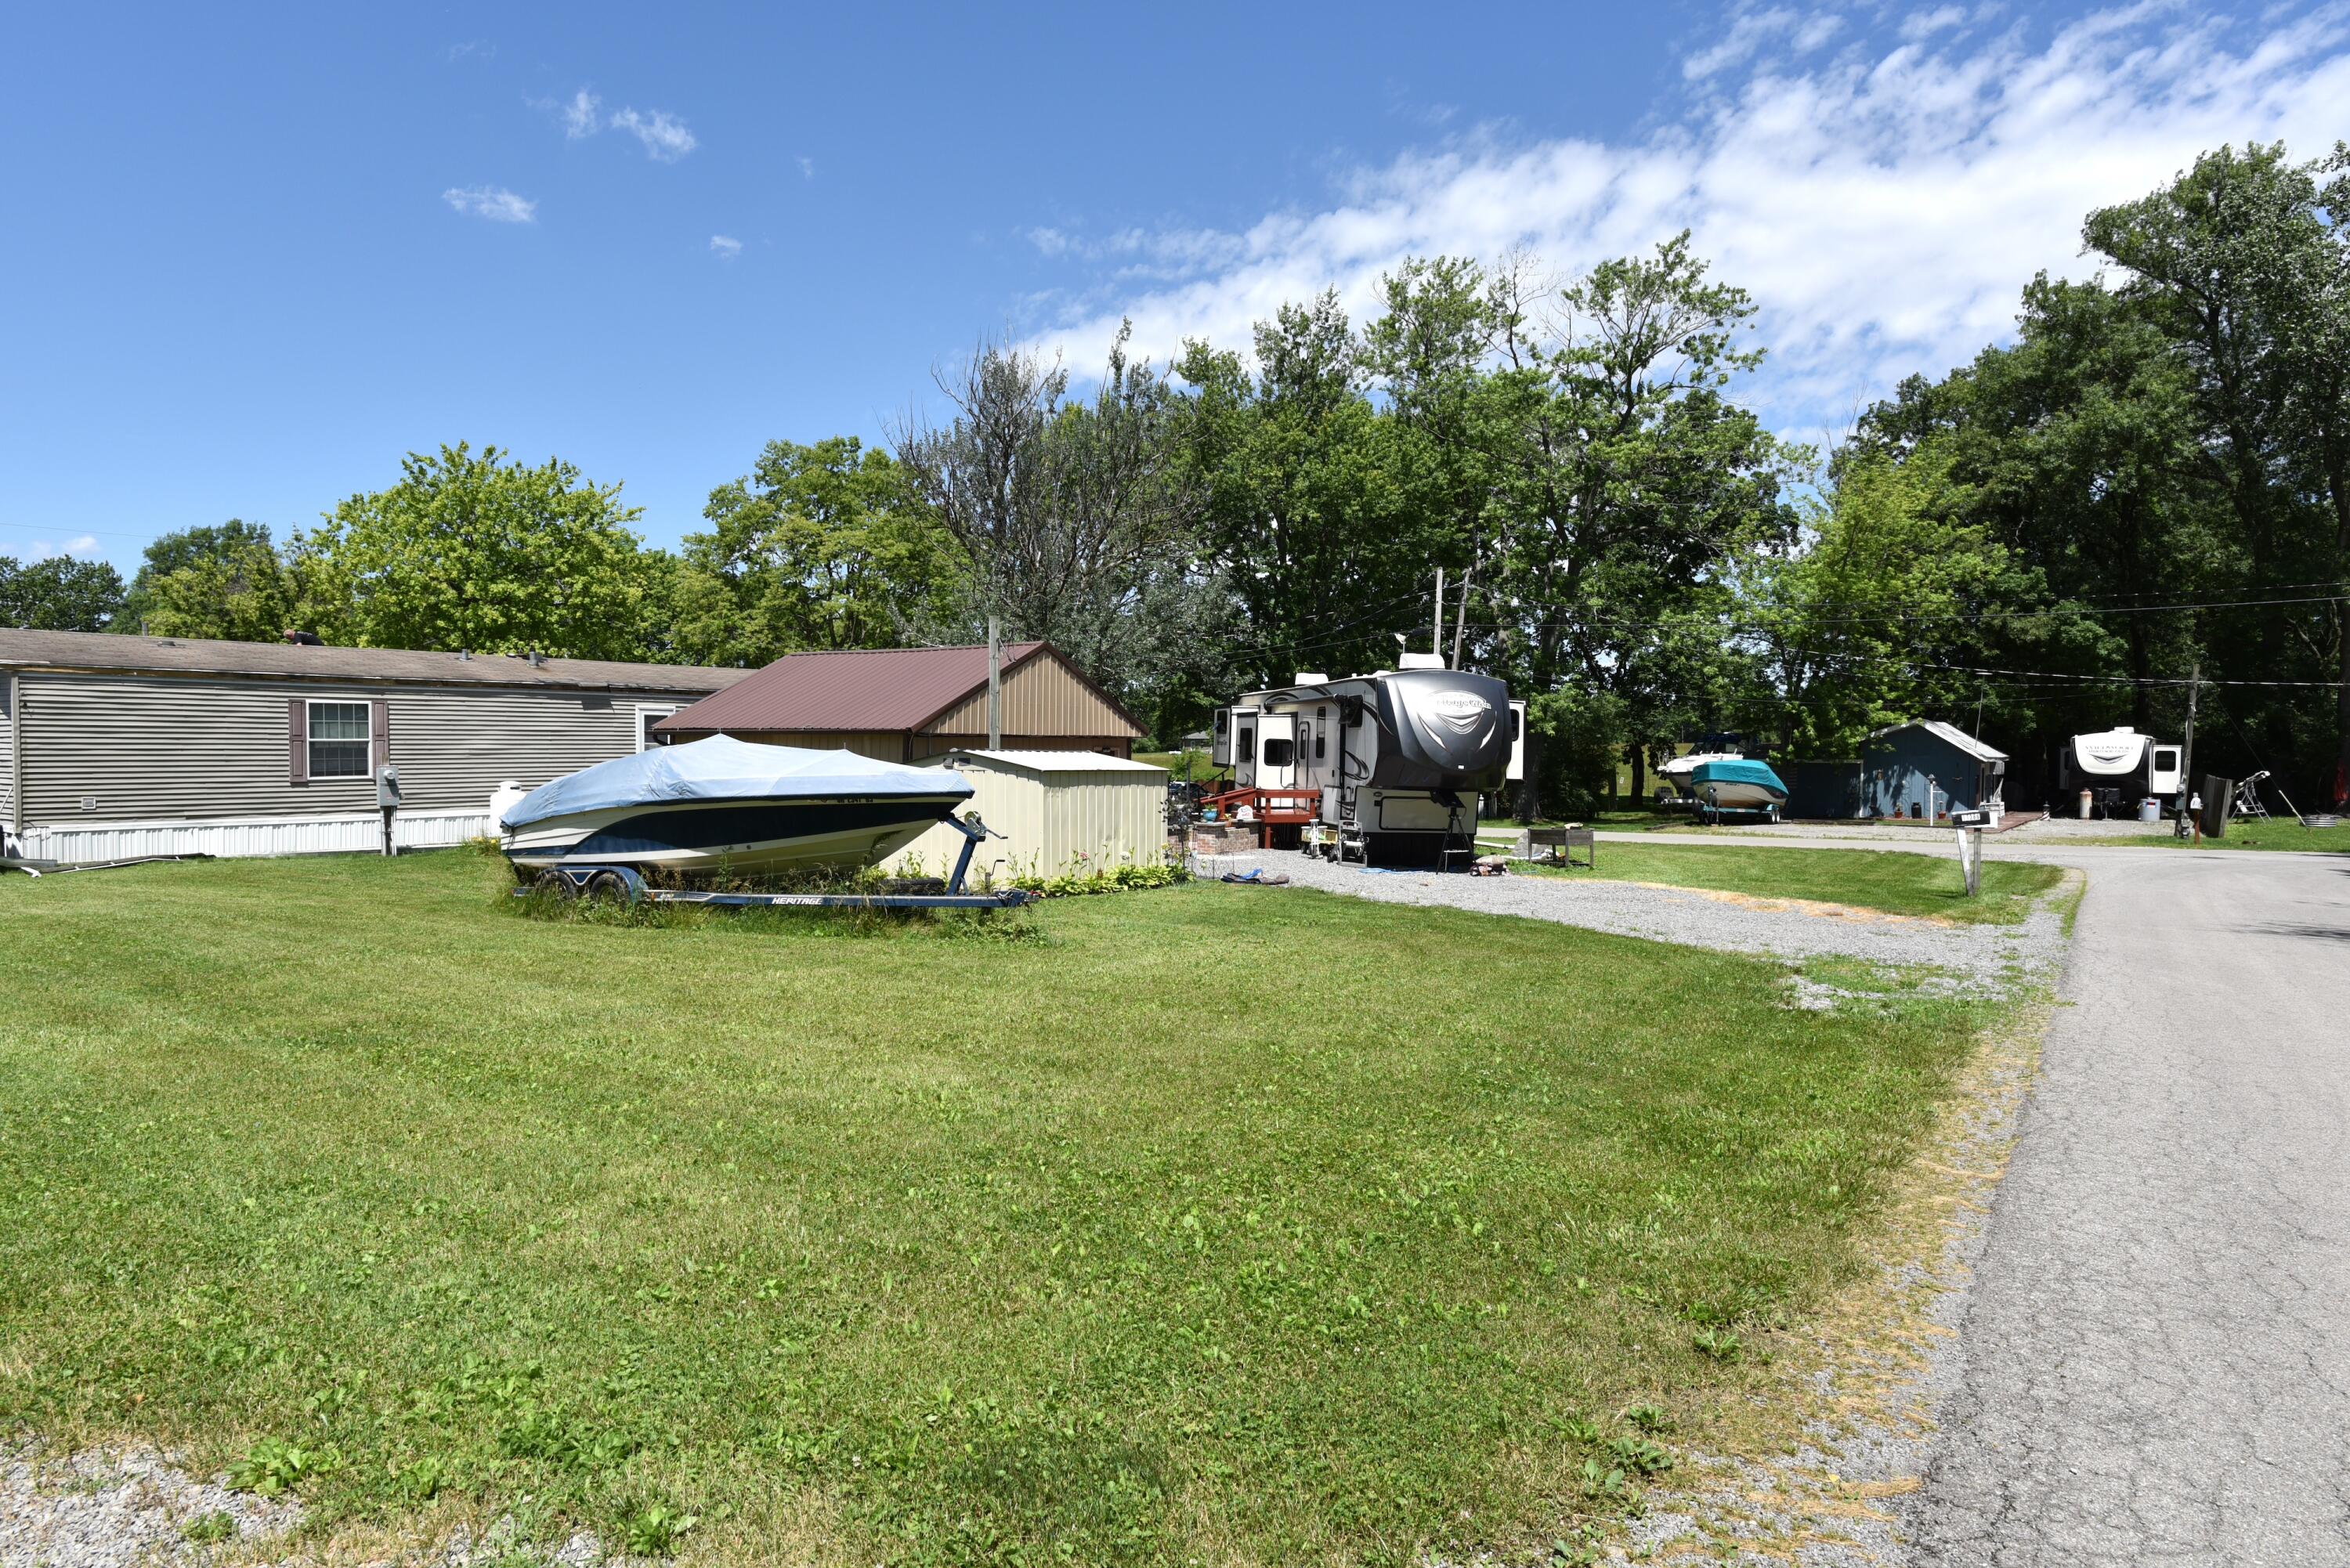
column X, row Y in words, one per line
column 476, row 551
column 230, row 546
column 1879, row 617
column 60, row 594
column 1309, row 511
column 1071, row 518
column 819, row 546
column 1627, row 483
column 2245, row 263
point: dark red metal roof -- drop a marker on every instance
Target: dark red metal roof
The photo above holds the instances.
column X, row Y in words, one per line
column 866, row 689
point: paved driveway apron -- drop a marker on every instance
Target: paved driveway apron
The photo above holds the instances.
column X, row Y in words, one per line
column 2156, row 1349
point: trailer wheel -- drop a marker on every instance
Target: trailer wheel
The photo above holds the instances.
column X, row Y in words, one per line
column 554, row 885
column 606, row 887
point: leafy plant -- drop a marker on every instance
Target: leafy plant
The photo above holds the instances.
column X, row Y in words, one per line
column 1722, row 1343
column 210, row 1529
column 274, row 1467
column 654, row 1530
column 1641, row 1456
column 1649, row 1419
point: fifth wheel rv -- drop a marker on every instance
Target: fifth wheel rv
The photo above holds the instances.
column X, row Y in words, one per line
column 1384, row 768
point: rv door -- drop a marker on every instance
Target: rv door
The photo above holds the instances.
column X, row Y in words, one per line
column 1517, row 773
column 1220, row 751
column 1276, row 751
column 2162, row 778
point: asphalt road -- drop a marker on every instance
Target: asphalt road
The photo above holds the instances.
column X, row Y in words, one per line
column 2155, row 1351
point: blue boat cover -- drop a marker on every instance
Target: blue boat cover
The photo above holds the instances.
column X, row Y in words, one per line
column 724, row 768
column 1738, row 770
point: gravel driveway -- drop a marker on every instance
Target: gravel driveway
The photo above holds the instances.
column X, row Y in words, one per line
column 1979, row 958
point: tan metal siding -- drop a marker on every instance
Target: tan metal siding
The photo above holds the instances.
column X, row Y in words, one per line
column 924, row 746
column 1042, row 696
column 885, row 745
column 1053, row 822
column 156, row 746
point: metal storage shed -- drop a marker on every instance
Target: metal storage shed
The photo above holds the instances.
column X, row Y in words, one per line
column 1059, row 812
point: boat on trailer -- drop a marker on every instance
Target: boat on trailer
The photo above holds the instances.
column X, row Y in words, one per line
column 726, row 804
column 1722, row 784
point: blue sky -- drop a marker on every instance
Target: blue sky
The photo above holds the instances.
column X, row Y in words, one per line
column 250, row 260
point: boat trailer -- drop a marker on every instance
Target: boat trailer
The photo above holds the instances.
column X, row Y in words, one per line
column 628, row 884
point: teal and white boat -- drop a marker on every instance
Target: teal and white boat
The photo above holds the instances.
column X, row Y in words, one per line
column 1737, row 783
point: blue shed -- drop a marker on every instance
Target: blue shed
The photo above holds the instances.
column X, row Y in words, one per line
column 1903, row 765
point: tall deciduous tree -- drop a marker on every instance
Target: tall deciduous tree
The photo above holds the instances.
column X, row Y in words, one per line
column 2244, row 260
column 60, row 594
column 230, row 546
column 472, row 550
column 819, row 546
column 1309, row 497
column 1070, row 517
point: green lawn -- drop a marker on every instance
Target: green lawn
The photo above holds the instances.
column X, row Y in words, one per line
column 1891, row 880
column 1201, row 768
column 1187, row 1225
column 2283, row 832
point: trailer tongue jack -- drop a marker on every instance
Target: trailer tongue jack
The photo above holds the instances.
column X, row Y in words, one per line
column 628, row 884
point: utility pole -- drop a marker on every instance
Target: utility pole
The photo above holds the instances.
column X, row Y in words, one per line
column 994, row 684
column 1436, row 643
column 2187, row 752
column 1460, row 619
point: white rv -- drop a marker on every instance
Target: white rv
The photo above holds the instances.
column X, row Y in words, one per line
column 1384, row 768
column 2131, row 765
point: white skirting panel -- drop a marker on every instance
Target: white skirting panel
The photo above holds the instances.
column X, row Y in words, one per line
column 245, row 835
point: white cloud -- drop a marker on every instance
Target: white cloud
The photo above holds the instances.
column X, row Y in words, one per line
column 665, row 137
column 726, row 247
column 807, row 168
column 83, row 548
column 579, row 115
column 1885, row 209
column 1926, row 24
column 495, row 203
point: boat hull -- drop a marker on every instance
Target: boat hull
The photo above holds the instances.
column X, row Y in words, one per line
column 791, row 833
column 1742, row 797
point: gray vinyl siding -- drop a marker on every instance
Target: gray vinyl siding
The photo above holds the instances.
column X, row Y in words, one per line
column 171, row 747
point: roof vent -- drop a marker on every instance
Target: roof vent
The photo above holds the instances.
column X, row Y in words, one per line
column 537, row 659
column 301, row 639
column 1419, row 661
column 1311, row 677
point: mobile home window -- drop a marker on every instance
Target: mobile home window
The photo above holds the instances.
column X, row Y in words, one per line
column 338, row 740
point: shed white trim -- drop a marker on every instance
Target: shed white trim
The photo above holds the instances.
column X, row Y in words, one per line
column 1950, row 732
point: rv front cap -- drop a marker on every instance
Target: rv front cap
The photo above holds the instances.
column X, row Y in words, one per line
column 1464, row 711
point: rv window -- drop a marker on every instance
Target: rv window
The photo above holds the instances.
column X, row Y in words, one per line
column 2166, row 760
column 1517, row 724
column 1321, row 746
column 338, row 740
column 1223, row 719
column 1280, row 751
column 1248, row 741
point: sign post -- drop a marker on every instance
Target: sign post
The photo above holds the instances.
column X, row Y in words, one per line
column 1971, row 824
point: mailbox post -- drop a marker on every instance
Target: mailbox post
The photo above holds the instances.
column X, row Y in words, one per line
column 1971, row 824
column 387, row 801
